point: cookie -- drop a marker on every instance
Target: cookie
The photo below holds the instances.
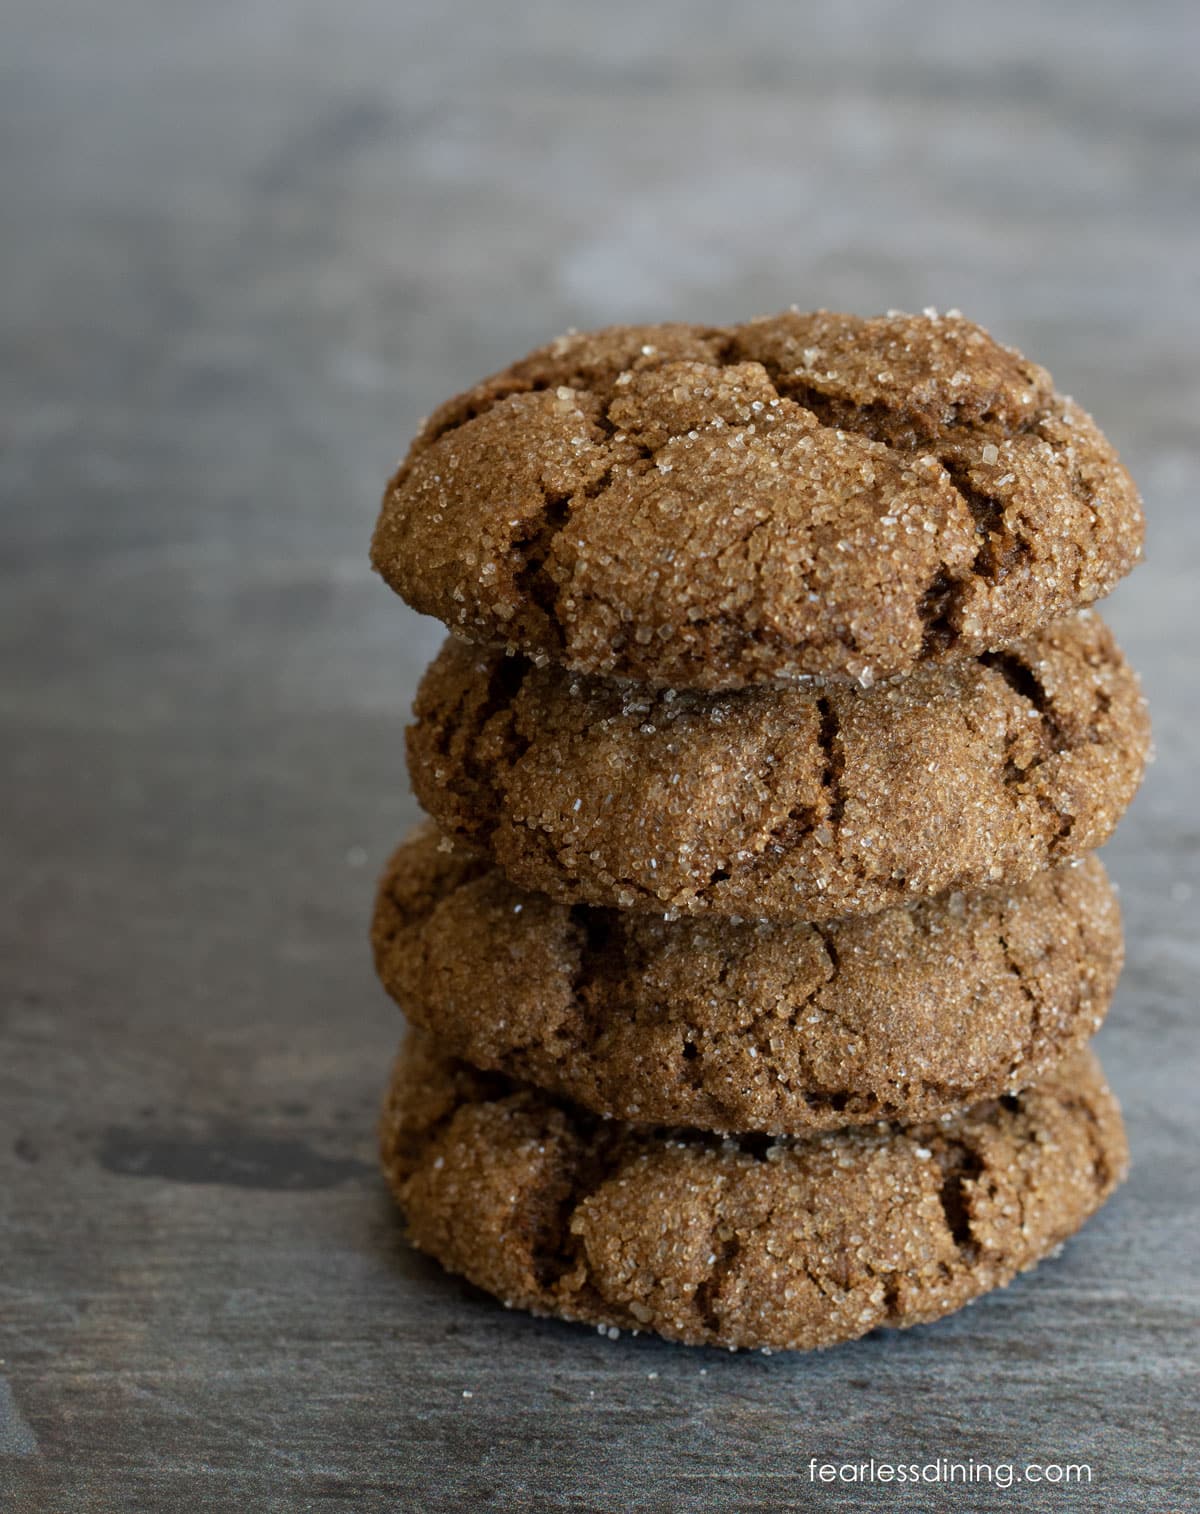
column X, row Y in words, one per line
column 798, row 804
column 736, row 1026
column 742, row 1242
column 808, row 494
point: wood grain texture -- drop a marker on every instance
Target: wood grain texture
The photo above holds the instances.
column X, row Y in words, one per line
column 245, row 247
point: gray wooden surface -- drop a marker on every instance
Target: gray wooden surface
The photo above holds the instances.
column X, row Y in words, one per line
column 245, row 246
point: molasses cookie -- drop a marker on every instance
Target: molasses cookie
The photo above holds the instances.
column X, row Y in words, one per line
column 799, row 804
column 749, row 1241
column 734, row 1025
column 807, row 494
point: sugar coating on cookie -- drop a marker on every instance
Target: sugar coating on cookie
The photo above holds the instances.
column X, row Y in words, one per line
column 805, row 494
column 742, row 1242
column 801, row 804
column 748, row 1026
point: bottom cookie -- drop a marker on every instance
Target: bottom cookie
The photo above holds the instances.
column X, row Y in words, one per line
column 741, row 1242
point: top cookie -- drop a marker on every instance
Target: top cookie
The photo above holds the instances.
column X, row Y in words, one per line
column 805, row 495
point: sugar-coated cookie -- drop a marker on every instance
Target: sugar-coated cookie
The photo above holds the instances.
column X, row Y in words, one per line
column 806, row 494
column 784, row 804
column 748, row 1026
column 744, row 1242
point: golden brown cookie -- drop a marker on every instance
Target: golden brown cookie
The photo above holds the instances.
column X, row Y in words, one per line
column 727, row 1025
column 783, row 804
column 749, row 1242
column 807, row 494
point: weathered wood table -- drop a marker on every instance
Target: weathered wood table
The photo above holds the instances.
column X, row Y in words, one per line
column 245, row 247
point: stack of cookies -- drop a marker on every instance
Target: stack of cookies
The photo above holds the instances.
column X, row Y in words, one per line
column 754, row 949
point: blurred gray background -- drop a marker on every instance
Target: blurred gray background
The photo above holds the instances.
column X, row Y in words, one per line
column 245, row 247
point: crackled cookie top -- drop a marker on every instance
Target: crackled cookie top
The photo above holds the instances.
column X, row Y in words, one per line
column 801, row 804
column 806, row 494
column 738, row 1025
column 745, row 1241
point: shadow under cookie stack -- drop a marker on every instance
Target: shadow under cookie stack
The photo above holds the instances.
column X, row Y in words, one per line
column 754, row 953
